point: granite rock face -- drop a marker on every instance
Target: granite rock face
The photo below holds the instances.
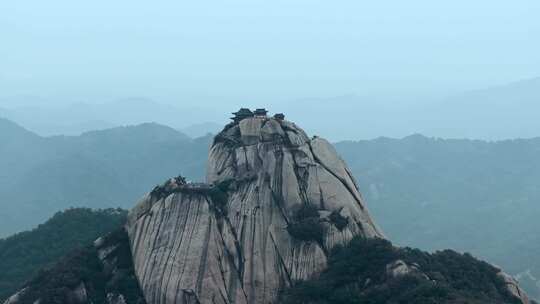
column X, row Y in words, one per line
column 248, row 232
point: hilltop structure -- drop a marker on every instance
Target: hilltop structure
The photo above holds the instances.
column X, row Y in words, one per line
column 261, row 113
column 244, row 113
column 241, row 114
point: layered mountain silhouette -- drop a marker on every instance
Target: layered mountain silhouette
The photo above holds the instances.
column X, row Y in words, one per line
column 109, row 168
column 492, row 113
column 278, row 209
column 77, row 118
column 425, row 192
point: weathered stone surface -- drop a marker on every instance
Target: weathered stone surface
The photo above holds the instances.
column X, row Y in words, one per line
column 246, row 254
column 513, row 287
column 400, row 268
column 250, row 130
column 271, row 130
column 180, row 250
column 16, row 297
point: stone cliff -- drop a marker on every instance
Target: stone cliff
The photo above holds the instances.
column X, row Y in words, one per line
column 275, row 204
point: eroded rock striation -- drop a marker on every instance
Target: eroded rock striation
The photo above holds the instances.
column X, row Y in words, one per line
column 275, row 203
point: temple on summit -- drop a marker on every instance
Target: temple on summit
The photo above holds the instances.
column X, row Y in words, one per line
column 244, row 113
column 260, row 112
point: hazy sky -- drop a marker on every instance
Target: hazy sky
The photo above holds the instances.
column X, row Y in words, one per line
column 100, row 50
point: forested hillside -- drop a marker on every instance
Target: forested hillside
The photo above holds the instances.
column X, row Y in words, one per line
column 375, row 272
column 475, row 196
column 22, row 255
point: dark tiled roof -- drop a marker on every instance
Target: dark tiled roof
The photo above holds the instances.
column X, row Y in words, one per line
column 260, row 112
column 243, row 112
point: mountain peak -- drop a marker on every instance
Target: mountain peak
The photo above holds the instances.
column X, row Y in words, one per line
column 151, row 131
column 278, row 208
column 275, row 205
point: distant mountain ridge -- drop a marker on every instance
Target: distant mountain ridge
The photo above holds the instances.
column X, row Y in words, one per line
column 75, row 119
column 11, row 130
column 100, row 169
column 492, row 113
column 500, row 112
column 202, row 129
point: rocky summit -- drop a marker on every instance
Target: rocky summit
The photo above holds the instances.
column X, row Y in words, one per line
column 275, row 204
column 274, row 209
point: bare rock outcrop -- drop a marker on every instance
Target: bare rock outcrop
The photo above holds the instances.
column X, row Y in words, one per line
column 275, row 203
column 513, row 287
column 16, row 298
column 400, row 268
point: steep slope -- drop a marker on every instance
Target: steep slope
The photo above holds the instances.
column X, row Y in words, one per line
column 17, row 147
column 248, row 233
column 23, row 254
column 10, row 131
